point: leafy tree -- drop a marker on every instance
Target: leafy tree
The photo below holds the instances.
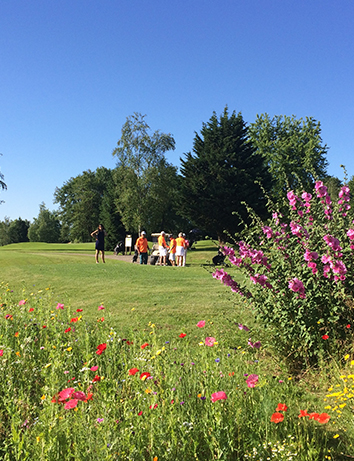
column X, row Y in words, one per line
column 144, row 178
column 293, row 151
column 46, row 227
column 220, row 174
column 85, row 201
column 4, row 231
column 18, row 230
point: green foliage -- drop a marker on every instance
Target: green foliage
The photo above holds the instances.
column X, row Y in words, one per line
column 220, row 174
column 4, row 231
column 292, row 149
column 85, row 201
column 18, row 230
column 302, row 271
column 146, row 183
column 45, row 228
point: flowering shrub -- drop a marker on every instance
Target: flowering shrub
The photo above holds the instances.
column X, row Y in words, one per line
column 300, row 272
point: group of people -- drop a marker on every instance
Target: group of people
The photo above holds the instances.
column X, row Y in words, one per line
column 176, row 250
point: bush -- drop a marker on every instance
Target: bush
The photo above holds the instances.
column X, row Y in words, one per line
column 301, row 273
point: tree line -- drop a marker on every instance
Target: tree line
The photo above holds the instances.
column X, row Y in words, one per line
column 230, row 163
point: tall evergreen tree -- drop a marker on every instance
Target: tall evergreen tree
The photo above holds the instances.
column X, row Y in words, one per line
column 220, row 174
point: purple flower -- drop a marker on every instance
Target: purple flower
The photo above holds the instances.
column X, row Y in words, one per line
column 100, row 420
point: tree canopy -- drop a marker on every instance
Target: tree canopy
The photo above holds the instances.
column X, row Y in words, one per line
column 220, row 174
column 145, row 181
column 46, row 227
column 292, row 149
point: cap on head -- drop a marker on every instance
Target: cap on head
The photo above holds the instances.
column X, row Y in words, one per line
column 162, row 233
column 180, row 234
column 143, row 233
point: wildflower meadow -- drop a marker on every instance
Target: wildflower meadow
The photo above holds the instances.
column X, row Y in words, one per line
column 270, row 379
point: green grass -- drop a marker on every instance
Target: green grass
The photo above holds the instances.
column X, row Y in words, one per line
column 149, row 304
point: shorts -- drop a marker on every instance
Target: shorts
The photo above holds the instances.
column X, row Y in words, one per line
column 179, row 251
column 172, row 257
column 162, row 251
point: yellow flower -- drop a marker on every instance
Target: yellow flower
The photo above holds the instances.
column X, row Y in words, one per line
column 54, row 347
column 43, row 397
column 158, row 352
column 336, row 436
column 346, row 357
column 352, row 362
column 199, row 395
column 342, row 405
column 48, row 365
column 155, row 458
column 328, row 407
column 201, row 343
column 133, row 309
column 38, row 439
column 148, row 391
column 17, row 353
column 69, row 349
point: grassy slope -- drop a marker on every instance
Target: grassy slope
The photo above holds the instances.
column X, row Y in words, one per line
column 168, row 296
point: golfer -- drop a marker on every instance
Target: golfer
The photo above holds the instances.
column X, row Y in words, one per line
column 180, row 242
column 162, row 248
column 142, row 247
column 100, row 234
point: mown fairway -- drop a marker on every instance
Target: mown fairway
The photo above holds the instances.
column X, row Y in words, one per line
column 168, row 296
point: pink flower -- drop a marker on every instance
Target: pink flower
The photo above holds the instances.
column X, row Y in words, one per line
column 209, row 341
column 71, row 404
column 95, row 368
column 252, row 380
column 1, row 352
column 79, row 395
column 201, row 324
column 298, row 287
column 218, row 396
column 66, row 393
column 100, row 308
column 60, row 306
column 22, row 302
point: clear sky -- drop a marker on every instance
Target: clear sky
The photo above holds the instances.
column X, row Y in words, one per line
column 71, row 71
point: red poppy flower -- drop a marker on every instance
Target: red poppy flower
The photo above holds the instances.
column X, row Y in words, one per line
column 101, row 348
column 323, row 418
column 348, row 326
column 88, row 397
column 182, row 335
column 144, row 345
column 133, row 371
column 31, row 310
column 303, row 413
column 325, row 337
column 129, row 343
column 79, row 310
column 67, row 330
column 65, row 394
column 218, row 396
column 94, row 368
column 79, row 395
column 277, row 418
column 153, row 406
column 44, row 326
column 140, row 413
column 145, row 375
column 71, row 404
column 313, row 416
column 74, row 319
column 96, row 379
column 281, row 407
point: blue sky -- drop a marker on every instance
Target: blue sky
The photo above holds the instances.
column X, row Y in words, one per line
column 71, row 71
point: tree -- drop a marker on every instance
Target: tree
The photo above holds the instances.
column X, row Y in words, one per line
column 220, row 174
column 292, row 149
column 46, row 227
column 85, row 201
column 143, row 176
column 18, row 230
column 4, row 231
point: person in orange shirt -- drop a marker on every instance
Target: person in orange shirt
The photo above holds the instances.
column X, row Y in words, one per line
column 162, row 248
column 142, row 247
column 180, row 244
column 173, row 246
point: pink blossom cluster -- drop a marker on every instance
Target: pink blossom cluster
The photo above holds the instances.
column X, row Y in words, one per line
column 298, row 230
column 293, row 198
column 256, row 256
column 322, row 193
column 337, row 266
column 227, row 280
column 261, row 279
column 310, row 256
column 344, row 198
column 297, row 286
